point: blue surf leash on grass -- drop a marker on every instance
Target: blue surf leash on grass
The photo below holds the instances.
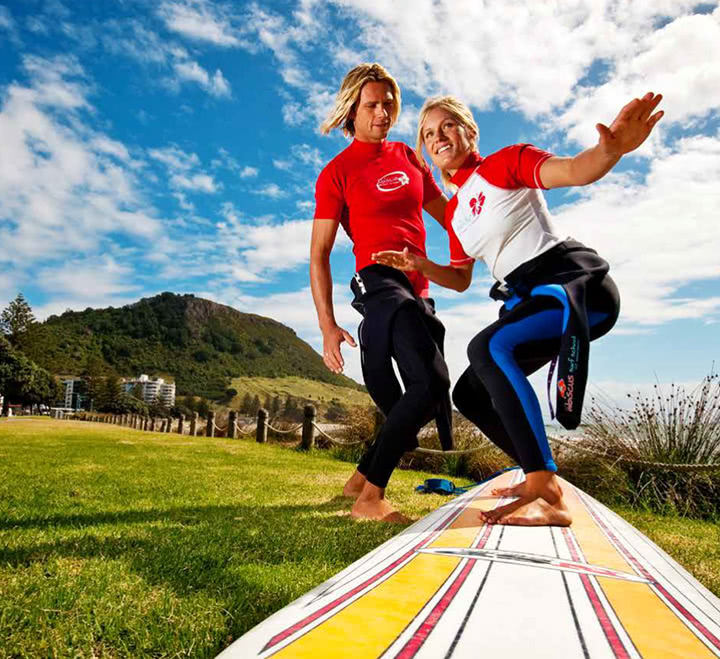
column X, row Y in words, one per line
column 446, row 487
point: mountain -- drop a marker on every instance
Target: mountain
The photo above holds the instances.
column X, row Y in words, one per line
column 199, row 343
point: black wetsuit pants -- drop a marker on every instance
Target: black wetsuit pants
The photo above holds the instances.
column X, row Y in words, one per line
column 426, row 380
column 494, row 392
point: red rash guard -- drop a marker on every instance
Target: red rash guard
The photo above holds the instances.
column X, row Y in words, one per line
column 377, row 192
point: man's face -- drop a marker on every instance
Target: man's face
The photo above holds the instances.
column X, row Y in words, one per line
column 373, row 113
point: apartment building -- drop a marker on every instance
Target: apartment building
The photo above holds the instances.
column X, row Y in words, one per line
column 154, row 390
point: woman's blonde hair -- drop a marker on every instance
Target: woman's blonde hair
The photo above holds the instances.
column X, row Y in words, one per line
column 461, row 113
column 349, row 95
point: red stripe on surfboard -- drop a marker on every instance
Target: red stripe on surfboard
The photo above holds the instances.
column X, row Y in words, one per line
column 411, row 648
column 712, row 639
column 308, row 620
column 613, row 639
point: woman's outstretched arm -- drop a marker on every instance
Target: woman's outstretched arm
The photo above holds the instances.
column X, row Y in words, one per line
column 456, row 277
column 630, row 129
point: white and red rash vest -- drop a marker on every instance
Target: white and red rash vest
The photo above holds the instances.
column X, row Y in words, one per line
column 498, row 214
column 377, row 192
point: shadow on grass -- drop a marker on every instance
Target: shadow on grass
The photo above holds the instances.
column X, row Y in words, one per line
column 252, row 560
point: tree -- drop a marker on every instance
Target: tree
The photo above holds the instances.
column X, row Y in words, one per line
column 22, row 381
column 246, row 405
column 109, row 393
column 276, row 406
column 16, row 319
column 255, row 405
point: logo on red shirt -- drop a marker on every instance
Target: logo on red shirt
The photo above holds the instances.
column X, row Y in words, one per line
column 476, row 204
column 392, row 181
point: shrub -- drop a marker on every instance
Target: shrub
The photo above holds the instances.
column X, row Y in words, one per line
column 679, row 428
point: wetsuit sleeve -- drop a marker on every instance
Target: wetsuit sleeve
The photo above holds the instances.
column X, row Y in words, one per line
column 431, row 190
column 457, row 253
column 524, row 162
column 329, row 196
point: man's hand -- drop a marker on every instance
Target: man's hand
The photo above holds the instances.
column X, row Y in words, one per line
column 631, row 127
column 404, row 260
column 332, row 338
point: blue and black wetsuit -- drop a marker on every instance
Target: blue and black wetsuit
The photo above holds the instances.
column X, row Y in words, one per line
column 555, row 304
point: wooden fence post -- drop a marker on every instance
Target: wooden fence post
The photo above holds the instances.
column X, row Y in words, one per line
column 169, row 424
column 194, row 424
column 261, row 432
column 232, row 420
column 308, row 429
column 210, row 428
column 181, row 420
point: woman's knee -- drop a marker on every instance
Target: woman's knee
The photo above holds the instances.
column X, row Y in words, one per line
column 478, row 350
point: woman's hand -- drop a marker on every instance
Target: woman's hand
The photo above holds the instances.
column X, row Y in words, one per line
column 631, row 127
column 405, row 260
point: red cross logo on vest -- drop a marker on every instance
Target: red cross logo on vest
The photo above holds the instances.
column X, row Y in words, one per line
column 476, row 204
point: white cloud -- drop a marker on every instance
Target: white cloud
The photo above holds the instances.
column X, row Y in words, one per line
column 175, row 158
column 200, row 21
column 6, row 19
column 197, row 182
column 63, row 185
column 180, row 165
column 249, row 172
column 191, row 71
column 271, row 190
column 658, row 234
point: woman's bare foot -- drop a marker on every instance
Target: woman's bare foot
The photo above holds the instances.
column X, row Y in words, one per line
column 354, row 486
column 372, row 504
column 512, row 491
column 541, row 504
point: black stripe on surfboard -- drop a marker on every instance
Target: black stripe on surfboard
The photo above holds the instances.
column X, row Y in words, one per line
column 615, row 643
column 458, row 576
column 457, row 579
column 342, row 601
column 443, row 588
column 576, row 622
column 671, row 563
column 473, row 604
column 698, row 629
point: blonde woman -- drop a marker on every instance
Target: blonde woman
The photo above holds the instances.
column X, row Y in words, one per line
column 377, row 190
column 557, row 294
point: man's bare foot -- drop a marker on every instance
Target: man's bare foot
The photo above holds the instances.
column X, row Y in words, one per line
column 540, row 504
column 354, row 486
column 372, row 504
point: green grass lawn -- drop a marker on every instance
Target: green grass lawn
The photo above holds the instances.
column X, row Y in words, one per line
column 119, row 543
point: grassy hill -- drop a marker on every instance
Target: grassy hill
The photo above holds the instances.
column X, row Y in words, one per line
column 320, row 393
column 201, row 344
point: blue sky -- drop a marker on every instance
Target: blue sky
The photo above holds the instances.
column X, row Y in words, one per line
column 173, row 145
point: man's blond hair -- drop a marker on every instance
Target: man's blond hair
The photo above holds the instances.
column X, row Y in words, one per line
column 461, row 113
column 349, row 95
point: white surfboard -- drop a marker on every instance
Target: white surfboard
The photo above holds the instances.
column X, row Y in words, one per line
column 449, row 586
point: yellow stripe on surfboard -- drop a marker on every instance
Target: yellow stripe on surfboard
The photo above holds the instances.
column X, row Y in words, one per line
column 641, row 611
column 376, row 619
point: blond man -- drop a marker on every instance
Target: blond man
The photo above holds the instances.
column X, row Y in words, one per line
column 377, row 190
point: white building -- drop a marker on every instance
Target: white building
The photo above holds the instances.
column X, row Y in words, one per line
column 154, row 390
